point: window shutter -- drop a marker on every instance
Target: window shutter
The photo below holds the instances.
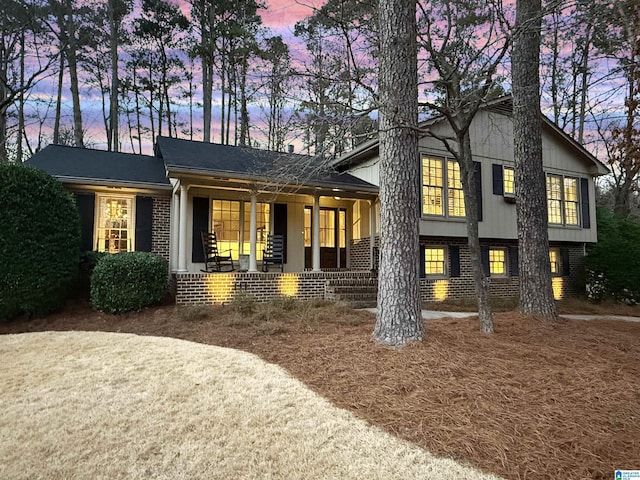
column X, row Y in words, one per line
column 280, row 224
column 144, row 220
column 422, row 269
column 514, row 268
column 498, row 179
column 484, row 257
column 86, row 204
column 566, row 267
column 200, row 224
column 584, row 202
column 454, row 261
column 478, row 175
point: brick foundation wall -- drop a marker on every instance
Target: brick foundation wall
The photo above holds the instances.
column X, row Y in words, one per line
column 220, row 288
column 160, row 227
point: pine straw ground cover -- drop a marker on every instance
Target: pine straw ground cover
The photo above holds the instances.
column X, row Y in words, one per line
column 532, row 401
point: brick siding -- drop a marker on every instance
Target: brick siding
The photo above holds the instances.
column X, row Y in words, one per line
column 160, row 230
column 220, row 288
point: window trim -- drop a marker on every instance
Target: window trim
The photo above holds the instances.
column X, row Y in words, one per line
column 445, row 261
column 563, row 200
column 505, row 262
column 243, row 236
column 558, row 261
column 504, row 181
column 445, row 207
column 131, row 228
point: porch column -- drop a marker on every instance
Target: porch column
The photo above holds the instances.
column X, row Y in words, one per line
column 372, row 232
column 315, row 233
column 253, row 263
column 173, row 225
column 182, row 242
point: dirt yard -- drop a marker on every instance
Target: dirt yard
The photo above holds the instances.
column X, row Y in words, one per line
column 533, row 401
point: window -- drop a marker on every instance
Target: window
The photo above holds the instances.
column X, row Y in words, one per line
column 262, row 228
column 115, row 223
column 231, row 220
column 571, row 201
column 554, row 258
column 433, row 187
column 434, row 261
column 226, row 223
column 455, row 197
column 498, row 261
column 509, row 182
column 562, row 200
column 328, row 227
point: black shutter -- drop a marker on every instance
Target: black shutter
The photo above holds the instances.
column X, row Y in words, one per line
column 454, row 261
column 514, row 269
column 478, row 174
column 200, row 224
column 86, row 203
column 584, row 202
column 484, row 257
column 566, row 267
column 280, row 224
column 422, row 269
column 144, row 220
column 498, row 179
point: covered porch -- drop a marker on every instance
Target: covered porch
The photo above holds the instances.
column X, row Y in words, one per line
column 323, row 228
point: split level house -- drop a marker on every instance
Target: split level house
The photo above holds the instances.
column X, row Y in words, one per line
column 326, row 214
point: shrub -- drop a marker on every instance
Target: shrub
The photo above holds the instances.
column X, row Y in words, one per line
column 613, row 264
column 128, row 281
column 39, row 242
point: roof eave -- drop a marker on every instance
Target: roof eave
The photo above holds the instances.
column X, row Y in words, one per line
column 111, row 182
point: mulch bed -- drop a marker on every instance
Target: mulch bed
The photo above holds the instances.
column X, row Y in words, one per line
column 532, row 401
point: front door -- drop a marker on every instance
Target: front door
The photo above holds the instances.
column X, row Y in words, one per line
column 333, row 237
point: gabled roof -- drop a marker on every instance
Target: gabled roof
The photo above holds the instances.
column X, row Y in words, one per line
column 188, row 157
column 98, row 167
column 503, row 106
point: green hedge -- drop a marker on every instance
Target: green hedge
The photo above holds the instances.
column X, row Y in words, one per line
column 39, row 242
column 613, row 264
column 128, row 281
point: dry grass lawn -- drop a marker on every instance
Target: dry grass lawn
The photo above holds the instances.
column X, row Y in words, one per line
column 533, row 401
column 89, row 405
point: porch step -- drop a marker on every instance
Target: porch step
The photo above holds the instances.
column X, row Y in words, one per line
column 357, row 292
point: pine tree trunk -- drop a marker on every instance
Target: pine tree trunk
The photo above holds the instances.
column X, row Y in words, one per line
column 72, row 62
column 56, row 123
column 399, row 319
column 113, row 100
column 536, row 294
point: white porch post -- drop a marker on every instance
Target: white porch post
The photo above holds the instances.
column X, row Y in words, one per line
column 182, row 242
column 372, row 232
column 253, row 263
column 175, row 221
column 315, row 233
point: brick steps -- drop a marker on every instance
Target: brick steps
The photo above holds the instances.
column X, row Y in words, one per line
column 358, row 292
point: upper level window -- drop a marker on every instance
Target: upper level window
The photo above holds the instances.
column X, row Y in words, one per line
column 509, row 182
column 434, row 261
column 115, row 224
column 436, row 191
column 432, row 186
column 571, row 201
column 562, row 200
column 498, row 261
column 455, row 197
